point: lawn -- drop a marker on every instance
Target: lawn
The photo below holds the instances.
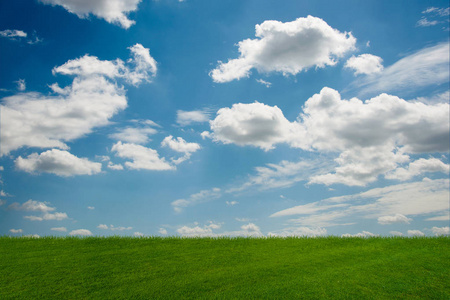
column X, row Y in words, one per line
column 224, row 268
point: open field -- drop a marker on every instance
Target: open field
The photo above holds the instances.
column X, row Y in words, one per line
column 224, row 268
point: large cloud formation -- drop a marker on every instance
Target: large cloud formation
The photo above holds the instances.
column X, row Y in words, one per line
column 38, row 120
column 371, row 138
column 288, row 48
column 113, row 11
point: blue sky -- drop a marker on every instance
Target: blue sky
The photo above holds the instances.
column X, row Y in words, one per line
column 209, row 118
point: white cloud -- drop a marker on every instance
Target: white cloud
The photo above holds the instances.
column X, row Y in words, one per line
column 13, row 33
column 116, row 167
column 414, row 198
column 254, row 124
column 134, row 135
column 397, row 218
column 61, row 229
column 142, row 157
column 263, row 82
column 426, row 67
column 231, row 203
column 299, row 231
column 364, row 234
column 441, row 231
column 113, row 11
column 423, row 22
column 395, row 233
column 180, row 145
column 185, row 118
column 365, row 64
column 419, row 167
column 113, row 228
column 445, row 217
column 103, row 226
column 145, row 66
column 16, row 230
column 200, row 197
column 57, row 216
column 32, row 205
column 90, row 207
column 443, row 12
column 31, row 236
column 373, row 141
column 138, row 234
column 81, row 232
column 288, row 48
column 415, row 233
column 162, row 231
column 57, row 162
column 197, row 231
column 21, row 85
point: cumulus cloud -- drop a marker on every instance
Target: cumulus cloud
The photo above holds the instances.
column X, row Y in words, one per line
column 299, row 231
column 364, row 234
column 441, row 231
column 116, row 167
column 61, row 229
column 397, row 218
column 57, row 162
column 415, row 233
column 185, row 118
column 21, row 85
column 113, row 11
column 181, row 146
column 365, row 64
column 197, row 231
column 138, row 234
column 407, row 199
column 375, row 140
column 13, row 33
column 426, row 67
column 113, row 228
column 16, row 230
column 254, row 124
column 395, row 233
column 81, row 232
column 37, row 206
column 162, row 231
column 134, row 135
column 288, row 48
column 143, row 158
column 200, row 197
column 418, row 167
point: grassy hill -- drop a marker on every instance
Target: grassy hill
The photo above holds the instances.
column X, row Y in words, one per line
column 224, row 268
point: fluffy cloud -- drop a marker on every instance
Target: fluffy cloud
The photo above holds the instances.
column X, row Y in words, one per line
column 441, row 231
column 180, row 145
column 254, row 124
column 372, row 137
column 427, row 67
column 200, row 197
column 162, row 231
column 113, row 11
column 113, row 228
column 185, row 118
column 365, row 64
column 288, row 48
column 21, row 85
column 415, row 233
column 81, row 232
column 395, row 233
column 415, row 198
column 138, row 234
column 16, row 230
column 299, row 231
column 197, row 231
column 418, row 167
column 364, row 234
column 57, row 162
column 42, row 207
column 13, row 33
column 134, row 135
column 397, row 218
column 61, row 229
column 142, row 157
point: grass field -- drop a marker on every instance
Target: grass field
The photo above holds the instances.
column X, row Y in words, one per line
column 224, row 268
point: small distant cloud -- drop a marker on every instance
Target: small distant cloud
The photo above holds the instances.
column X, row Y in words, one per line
column 20, row 35
column 81, row 232
column 365, row 64
column 117, row 167
column 397, row 218
column 16, row 230
column 61, row 229
column 266, row 83
column 138, row 234
column 231, row 203
column 185, row 118
column 113, row 228
column 364, row 234
column 441, row 230
column 91, row 207
column 21, row 85
column 243, row 219
column 102, row 226
column 437, row 15
column 395, row 233
column 415, row 233
column 162, row 231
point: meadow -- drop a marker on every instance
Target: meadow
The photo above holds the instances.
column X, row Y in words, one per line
column 224, row 268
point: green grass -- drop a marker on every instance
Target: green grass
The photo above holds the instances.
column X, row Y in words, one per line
column 224, row 268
